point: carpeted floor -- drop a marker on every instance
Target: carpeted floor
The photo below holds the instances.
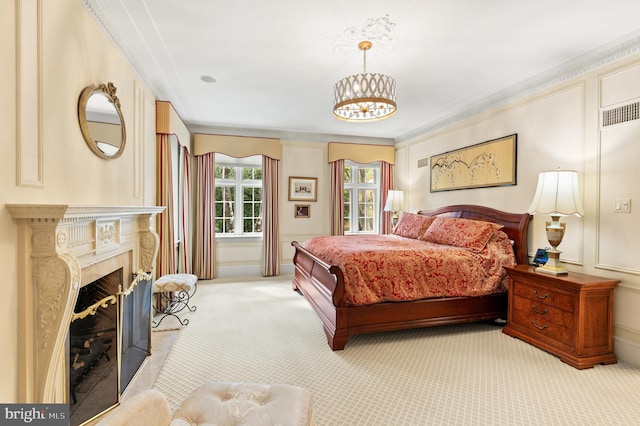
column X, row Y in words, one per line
column 472, row 374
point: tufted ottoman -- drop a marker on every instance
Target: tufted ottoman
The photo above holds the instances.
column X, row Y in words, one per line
column 174, row 292
column 220, row 403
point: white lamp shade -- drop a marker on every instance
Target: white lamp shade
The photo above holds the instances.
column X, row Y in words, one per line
column 395, row 201
column 557, row 194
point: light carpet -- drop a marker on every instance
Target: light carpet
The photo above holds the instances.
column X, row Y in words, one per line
column 469, row 374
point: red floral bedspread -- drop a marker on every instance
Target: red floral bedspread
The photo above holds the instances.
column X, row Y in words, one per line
column 379, row 268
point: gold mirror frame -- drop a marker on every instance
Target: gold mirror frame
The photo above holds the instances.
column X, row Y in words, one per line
column 105, row 136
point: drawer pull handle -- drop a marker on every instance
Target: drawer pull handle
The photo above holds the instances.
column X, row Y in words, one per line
column 544, row 296
column 538, row 311
column 539, row 327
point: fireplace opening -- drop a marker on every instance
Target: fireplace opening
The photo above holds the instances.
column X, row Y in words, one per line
column 93, row 349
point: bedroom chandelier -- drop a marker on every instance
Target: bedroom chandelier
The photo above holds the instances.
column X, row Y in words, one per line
column 366, row 96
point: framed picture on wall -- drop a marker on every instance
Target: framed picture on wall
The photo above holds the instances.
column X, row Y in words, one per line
column 302, row 210
column 491, row 163
column 303, row 188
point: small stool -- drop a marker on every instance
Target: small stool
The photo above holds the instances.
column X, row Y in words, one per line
column 175, row 291
column 223, row 403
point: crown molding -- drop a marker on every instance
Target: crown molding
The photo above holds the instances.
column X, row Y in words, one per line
column 381, row 29
column 609, row 53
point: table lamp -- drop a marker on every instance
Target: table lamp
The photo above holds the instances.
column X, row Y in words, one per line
column 557, row 195
column 395, row 203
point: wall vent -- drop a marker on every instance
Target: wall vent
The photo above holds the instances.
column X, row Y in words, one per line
column 423, row 162
column 621, row 114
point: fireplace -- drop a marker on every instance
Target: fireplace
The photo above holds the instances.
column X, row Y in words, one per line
column 69, row 256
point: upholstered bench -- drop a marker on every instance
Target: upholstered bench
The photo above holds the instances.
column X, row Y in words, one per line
column 219, row 403
column 174, row 292
column 224, row 403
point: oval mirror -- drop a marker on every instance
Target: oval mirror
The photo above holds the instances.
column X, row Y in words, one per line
column 101, row 120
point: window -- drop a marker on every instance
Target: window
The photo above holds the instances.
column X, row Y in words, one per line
column 361, row 198
column 238, row 196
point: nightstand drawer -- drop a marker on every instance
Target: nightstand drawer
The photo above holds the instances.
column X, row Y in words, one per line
column 544, row 295
column 544, row 312
column 544, row 327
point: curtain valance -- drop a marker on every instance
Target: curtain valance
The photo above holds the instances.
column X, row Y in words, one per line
column 168, row 122
column 237, row 146
column 361, row 153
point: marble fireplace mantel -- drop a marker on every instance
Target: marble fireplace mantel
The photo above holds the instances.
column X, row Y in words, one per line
column 60, row 249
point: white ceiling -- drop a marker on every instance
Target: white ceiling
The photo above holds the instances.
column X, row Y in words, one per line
column 276, row 61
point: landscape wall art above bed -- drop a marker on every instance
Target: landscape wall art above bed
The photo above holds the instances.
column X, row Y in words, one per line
column 491, row 163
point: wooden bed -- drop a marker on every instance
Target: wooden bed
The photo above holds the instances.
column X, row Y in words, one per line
column 323, row 286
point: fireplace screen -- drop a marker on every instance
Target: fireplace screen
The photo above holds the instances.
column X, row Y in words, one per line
column 111, row 327
column 93, row 349
column 136, row 328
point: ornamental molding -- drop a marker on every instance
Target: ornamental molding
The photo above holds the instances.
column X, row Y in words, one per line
column 66, row 246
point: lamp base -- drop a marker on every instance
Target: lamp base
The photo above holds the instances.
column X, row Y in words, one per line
column 394, row 219
column 553, row 265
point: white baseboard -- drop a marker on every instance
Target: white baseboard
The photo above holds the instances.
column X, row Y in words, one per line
column 238, row 271
column 626, row 344
column 249, row 271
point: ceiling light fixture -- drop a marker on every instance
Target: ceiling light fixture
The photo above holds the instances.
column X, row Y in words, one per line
column 364, row 97
column 208, row 79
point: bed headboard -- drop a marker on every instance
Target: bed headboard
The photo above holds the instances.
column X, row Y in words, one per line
column 515, row 225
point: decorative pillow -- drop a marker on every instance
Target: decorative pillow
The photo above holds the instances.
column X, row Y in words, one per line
column 465, row 233
column 412, row 225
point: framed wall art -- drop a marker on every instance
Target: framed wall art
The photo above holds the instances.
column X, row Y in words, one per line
column 491, row 163
column 303, row 188
column 302, row 210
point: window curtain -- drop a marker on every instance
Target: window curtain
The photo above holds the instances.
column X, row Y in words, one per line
column 386, row 183
column 337, row 193
column 166, row 263
column 270, row 215
column 186, row 242
column 205, row 234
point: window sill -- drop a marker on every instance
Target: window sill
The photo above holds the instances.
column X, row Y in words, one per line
column 238, row 238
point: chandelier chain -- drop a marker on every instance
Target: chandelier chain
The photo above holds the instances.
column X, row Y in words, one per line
column 364, row 62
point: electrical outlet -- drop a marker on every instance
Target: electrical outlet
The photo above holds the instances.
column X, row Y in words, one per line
column 622, row 205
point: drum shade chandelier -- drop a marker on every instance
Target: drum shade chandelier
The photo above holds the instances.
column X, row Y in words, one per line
column 364, row 97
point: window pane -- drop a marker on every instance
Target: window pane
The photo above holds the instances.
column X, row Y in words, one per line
column 252, row 210
column 224, row 209
column 346, row 200
column 368, row 225
column 366, row 175
column 347, row 174
column 224, row 172
column 366, row 210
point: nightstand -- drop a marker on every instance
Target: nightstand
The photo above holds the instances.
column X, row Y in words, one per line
column 570, row 316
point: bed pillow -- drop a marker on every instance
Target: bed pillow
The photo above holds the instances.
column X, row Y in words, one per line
column 465, row 233
column 411, row 225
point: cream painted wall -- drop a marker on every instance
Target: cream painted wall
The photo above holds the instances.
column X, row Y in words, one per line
column 559, row 127
column 303, row 159
column 74, row 53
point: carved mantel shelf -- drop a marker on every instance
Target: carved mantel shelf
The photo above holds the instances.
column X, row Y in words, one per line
column 57, row 243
